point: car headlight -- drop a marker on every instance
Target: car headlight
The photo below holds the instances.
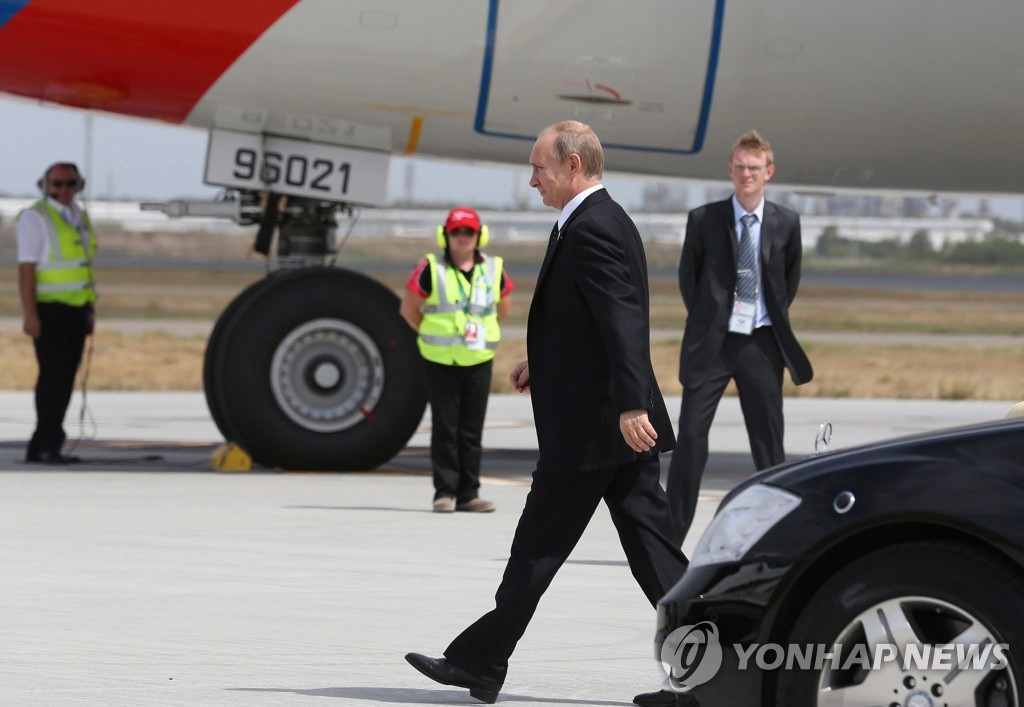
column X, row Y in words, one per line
column 741, row 523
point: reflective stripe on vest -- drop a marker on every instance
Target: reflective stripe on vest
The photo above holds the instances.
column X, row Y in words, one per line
column 454, row 332
column 67, row 277
column 451, row 341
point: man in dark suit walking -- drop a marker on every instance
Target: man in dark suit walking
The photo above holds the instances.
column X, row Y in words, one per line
column 738, row 274
column 600, row 417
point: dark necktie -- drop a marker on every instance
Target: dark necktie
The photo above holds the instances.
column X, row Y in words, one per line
column 552, row 240
column 747, row 276
column 547, row 253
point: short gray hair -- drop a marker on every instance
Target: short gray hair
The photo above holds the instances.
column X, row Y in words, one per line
column 572, row 136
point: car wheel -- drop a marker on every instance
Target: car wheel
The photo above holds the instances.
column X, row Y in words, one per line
column 917, row 598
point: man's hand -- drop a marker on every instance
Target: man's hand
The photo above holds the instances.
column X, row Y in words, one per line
column 520, row 377
column 32, row 326
column 637, row 430
column 30, row 323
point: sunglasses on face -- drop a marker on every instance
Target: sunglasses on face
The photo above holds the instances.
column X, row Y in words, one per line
column 61, row 183
column 462, row 232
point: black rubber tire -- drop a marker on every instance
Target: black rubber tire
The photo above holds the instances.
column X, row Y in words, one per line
column 244, row 359
column 214, row 356
column 981, row 585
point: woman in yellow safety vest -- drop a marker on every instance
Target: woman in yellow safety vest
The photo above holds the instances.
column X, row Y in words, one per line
column 454, row 301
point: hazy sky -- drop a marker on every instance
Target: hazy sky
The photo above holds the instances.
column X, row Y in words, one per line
column 149, row 160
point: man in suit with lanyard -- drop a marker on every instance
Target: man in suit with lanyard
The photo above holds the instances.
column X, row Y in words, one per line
column 600, row 417
column 738, row 274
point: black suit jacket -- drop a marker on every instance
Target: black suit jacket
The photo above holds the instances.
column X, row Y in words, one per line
column 588, row 342
column 707, row 280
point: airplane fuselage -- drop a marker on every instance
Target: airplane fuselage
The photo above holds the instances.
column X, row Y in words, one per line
column 918, row 94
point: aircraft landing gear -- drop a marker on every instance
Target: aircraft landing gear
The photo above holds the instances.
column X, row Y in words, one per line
column 312, row 368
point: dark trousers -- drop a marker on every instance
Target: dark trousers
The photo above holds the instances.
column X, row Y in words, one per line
column 458, row 404
column 755, row 362
column 557, row 511
column 58, row 351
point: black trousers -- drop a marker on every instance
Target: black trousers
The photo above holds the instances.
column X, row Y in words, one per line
column 755, row 362
column 58, row 351
column 557, row 511
column 458, row 405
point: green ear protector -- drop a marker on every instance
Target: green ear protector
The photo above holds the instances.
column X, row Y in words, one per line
column 442, row 238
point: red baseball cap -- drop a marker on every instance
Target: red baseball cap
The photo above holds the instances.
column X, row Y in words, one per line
column 461, row 216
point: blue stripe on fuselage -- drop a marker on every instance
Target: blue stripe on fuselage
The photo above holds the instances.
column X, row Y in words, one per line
column 10, row 8
column 705, row 104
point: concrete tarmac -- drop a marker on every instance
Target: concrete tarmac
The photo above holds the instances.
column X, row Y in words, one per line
column 141, row 578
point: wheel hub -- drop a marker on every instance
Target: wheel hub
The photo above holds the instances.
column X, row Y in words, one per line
column 924, row 623
column 918, row 698
column 327, row 375
column 324, row 375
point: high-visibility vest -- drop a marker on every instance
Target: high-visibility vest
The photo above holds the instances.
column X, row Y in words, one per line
column 460, row 318
column 67, row 276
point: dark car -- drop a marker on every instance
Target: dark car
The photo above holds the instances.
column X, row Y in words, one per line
column 889, row 574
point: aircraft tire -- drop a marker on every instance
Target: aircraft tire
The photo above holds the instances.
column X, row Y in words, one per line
column 317, row 370
column 214, row 357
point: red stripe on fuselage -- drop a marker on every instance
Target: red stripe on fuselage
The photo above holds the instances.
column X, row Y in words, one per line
column 149, row 58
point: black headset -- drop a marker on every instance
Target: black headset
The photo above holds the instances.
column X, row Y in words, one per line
column 46, row 174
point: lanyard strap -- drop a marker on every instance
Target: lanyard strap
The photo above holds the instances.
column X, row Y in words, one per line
column 462, row 291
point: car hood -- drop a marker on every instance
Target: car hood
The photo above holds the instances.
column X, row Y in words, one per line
column 995, row 447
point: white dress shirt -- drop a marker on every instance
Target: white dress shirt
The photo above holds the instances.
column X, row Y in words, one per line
column 761, row 317
column 573, row 203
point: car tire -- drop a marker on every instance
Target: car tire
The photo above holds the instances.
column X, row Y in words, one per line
column 924, row 592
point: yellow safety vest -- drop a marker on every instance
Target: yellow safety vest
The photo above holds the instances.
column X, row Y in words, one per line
column 67, row 277
column 460, row 318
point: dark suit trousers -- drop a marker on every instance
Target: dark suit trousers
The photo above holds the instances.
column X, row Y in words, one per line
column 58, row 351
column 756, row 364
column 557, row 511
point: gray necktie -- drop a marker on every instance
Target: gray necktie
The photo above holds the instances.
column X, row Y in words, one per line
column 747, row 275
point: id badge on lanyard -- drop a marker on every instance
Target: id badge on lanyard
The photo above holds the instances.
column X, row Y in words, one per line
column 473, row 336
column 742, row 319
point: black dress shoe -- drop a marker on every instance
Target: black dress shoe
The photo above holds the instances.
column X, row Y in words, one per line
column 49, row 457
column 440, row 670
column 665, row 698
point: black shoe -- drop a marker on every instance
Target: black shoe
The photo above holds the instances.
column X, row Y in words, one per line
column 54, row 458
column 440, row 670
column 665, row 698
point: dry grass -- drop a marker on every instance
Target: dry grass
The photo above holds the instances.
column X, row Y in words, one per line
column 820, row 308
column 909, row 311
column 155, row 361
column 895, row 372
column 162, row 361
